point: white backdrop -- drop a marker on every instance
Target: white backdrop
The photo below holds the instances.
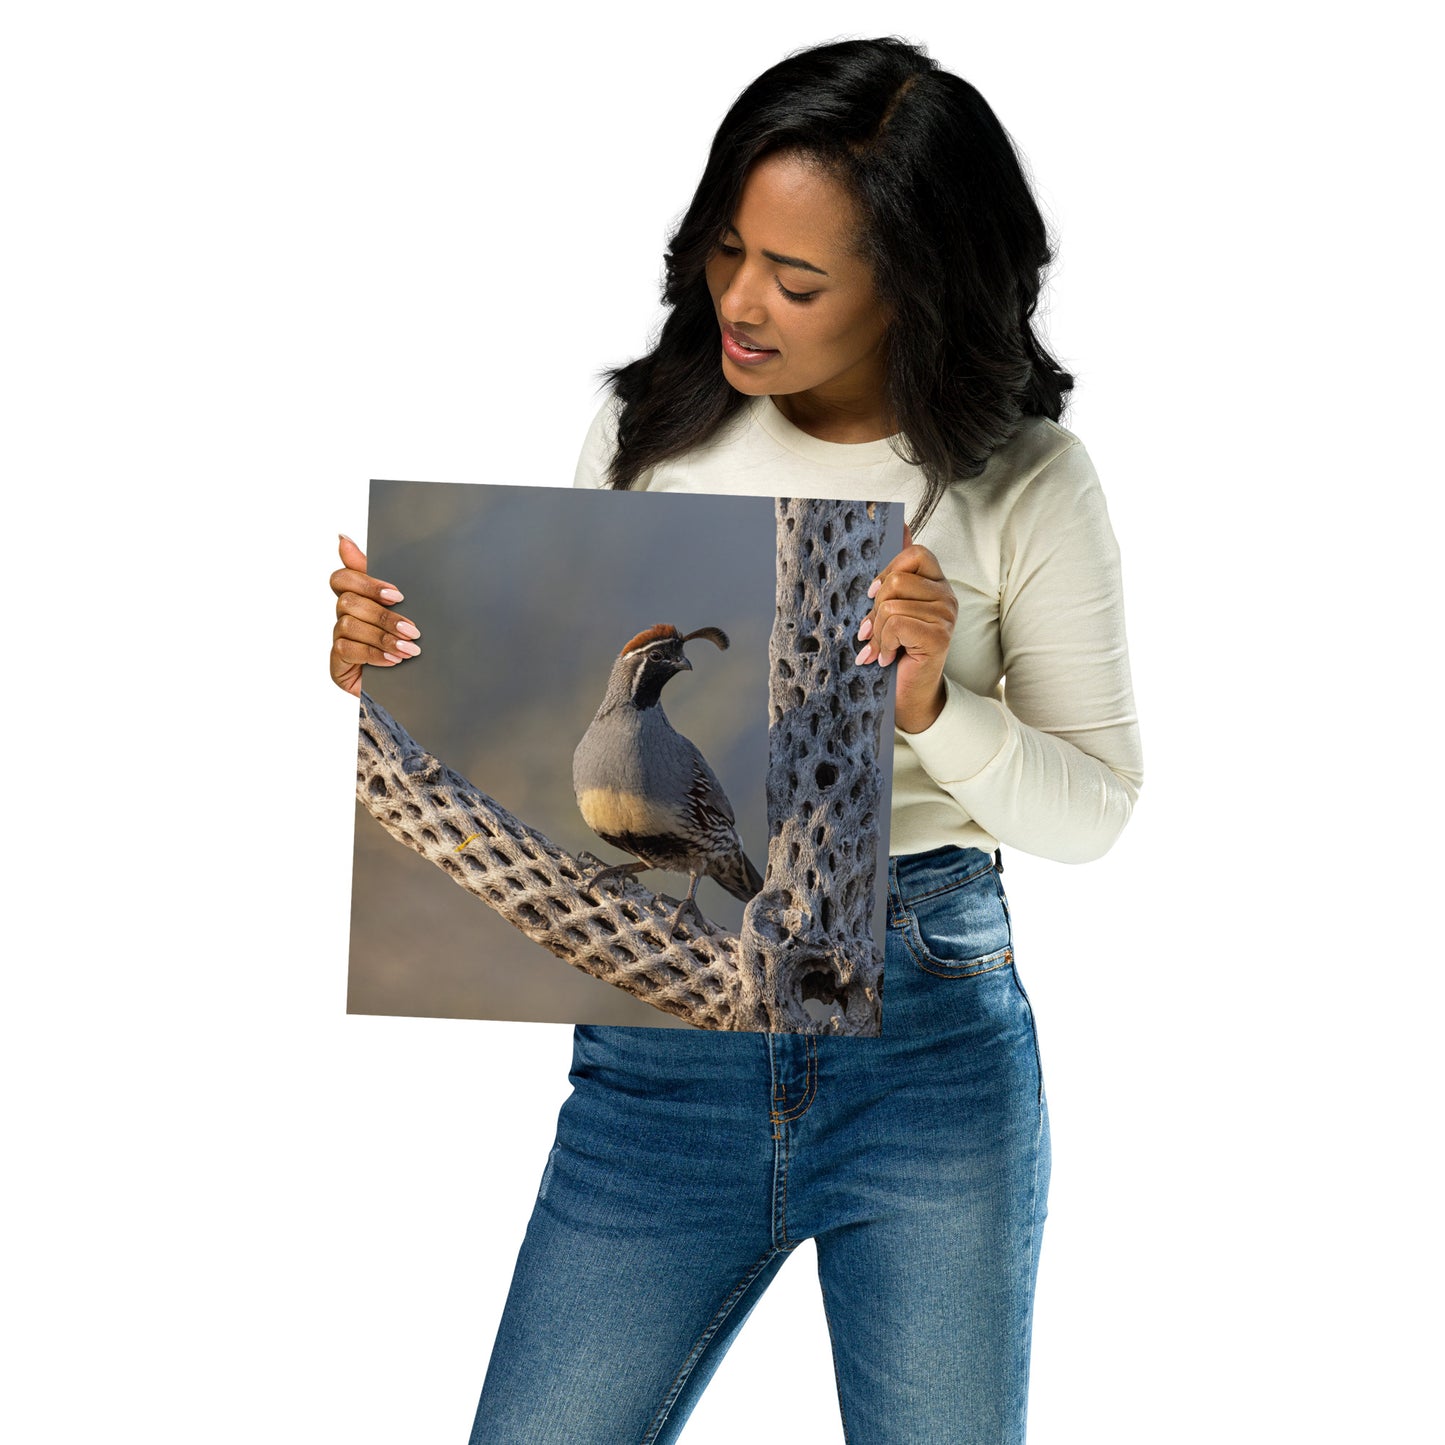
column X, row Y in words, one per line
column 256, row 255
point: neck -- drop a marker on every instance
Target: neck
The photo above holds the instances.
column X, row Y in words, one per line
column 648, row 694
column 620, row 694
column 845, row 419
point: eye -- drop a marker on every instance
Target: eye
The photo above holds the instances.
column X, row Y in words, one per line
column 798, row 296
column 726, row 248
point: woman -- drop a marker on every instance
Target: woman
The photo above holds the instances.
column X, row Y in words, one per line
column 850, row 301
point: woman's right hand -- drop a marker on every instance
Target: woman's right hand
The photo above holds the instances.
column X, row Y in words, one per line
column 367, row 630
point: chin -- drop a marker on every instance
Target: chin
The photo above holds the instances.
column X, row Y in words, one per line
column 745, row 381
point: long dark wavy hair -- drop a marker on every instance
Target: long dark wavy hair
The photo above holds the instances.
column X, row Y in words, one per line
column 949, row 227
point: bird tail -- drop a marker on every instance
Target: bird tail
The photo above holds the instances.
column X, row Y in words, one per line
column 739, row 876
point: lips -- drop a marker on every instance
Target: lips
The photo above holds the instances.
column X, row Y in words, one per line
column 738, row 346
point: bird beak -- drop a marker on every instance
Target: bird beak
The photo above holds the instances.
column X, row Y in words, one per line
column 684, row 665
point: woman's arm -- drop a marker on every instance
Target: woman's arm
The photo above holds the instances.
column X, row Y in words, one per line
column 1056, row 766
column 1054, row 769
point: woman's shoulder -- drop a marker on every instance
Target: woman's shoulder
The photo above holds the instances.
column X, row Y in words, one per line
column 1043, row 466
column 1040, row 447
column 599, row 445
column 1052, row 502
column 1039, row 483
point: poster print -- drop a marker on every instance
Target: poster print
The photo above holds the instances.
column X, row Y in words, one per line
column 634, row 776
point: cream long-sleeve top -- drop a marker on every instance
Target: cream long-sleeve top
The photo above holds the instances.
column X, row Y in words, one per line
column 1037, row 746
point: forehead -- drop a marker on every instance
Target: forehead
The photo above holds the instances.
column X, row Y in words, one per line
column 661, row 635
column 790, row 205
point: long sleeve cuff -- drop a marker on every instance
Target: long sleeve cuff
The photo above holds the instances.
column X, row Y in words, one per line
column 963, row 739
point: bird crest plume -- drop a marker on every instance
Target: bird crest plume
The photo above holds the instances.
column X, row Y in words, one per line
column 666, row 632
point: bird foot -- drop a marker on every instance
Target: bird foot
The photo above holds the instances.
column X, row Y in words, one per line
column 612, row 870
column 689, row 905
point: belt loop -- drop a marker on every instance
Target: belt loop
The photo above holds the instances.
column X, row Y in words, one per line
column 998, row 859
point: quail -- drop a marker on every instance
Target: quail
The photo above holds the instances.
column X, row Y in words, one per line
column 644, row 788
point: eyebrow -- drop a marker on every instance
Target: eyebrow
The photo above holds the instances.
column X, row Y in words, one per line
column 794, row 261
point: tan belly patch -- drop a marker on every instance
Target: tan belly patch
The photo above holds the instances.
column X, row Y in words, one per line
column 611, row 810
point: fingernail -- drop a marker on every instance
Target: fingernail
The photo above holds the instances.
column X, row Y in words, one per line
column 877, row 583
column 408, row 629
column 391, row 657
column 345, row 538
column 409, row 648
column 390, row 594
column 866, row 630
column 863, row 656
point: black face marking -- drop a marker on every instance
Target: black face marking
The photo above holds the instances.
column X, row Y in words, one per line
column 654, row 668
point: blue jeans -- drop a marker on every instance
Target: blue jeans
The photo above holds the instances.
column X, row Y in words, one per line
column 689, row 1165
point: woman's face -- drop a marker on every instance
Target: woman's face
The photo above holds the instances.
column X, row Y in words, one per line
column 796, row 305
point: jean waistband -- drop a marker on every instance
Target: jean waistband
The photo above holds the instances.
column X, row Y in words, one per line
column 917, row 875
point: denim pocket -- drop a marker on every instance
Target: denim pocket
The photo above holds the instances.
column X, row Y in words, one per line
column 961, row 930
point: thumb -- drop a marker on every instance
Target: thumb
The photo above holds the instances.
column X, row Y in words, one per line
column 907, row 535
column 351, row 555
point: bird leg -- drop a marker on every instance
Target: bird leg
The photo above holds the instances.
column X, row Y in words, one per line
column 616, row 870
column 689, row 903
column 621, row 870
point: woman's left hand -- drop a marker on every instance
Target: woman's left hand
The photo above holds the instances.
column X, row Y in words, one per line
column 914, row 610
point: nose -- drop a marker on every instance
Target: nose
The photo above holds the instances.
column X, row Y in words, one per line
column 741, row 302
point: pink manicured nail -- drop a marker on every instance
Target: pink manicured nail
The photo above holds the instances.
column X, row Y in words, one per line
column 877, row 583
column 866, row 630
column 390, row 594
column 392, row 657
column 410, row 648
column 863, row 656
column 408, row 629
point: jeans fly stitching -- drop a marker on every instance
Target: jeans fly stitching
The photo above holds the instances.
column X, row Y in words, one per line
column 782, row 1144
column 782, row 1160
column 810, row 1086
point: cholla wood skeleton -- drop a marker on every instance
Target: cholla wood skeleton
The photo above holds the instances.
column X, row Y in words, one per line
column 808, row 934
